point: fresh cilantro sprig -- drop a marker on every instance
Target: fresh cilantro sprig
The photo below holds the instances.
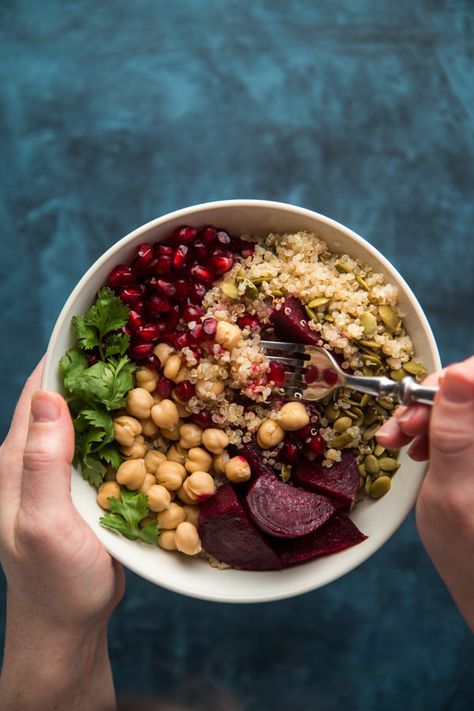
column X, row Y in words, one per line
column 108, row 314
column 126, row 514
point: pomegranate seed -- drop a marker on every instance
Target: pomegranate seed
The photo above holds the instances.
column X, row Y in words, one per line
column 247, row 250
column 153, row 361
column 277, row 373
column 316, row 445
column 140, row 351
column 135, row 320
column 145, row 255
column 311, row 374
column 208, row 234
column 197, row 333
column 289, row 453
column 300, row 435
column 223, row 238
column 157, row 306
column 180, row 256
column 182, row 289
column 330, row 376
column 164, row 387
column 185, row 390
column 191, row 312
column 149, row 332
column 221, row 262
column 200, row 250
column 172, row 319
column 182, row 340
column 126, row 330
column 121, row 277
column 92, row 358
column 197, row 292
column 209, row 326
column 164, row 264
column 202, row 418
column 248, row 321
column 131, row 296
column 202, row 274
column 168, row 337
column 163, row 250
column 162, row 287
column 185, row 234
column 142, row 270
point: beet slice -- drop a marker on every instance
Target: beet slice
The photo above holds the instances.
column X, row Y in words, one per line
column 286, row 511
column 253, row 454
column 336, row 535
column 340, row 481
column 228, row 534
column 291, row 323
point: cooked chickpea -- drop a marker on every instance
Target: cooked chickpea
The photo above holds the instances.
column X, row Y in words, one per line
column 148, row 482
column 170, row 475
column 139, row 403
column 199, row 485
column 171, row 517
column 165, row 415
column 192, row 514
column 227, row 334
column 207, row 390
column 238, row 469
column 158, row 498
column 163, row 352
column 131, row 473
column 183, row 374
column 137, row 450
column 108, row 488
column 166, row 540
column 190, row 435
column 172, row 367
column 149, row 428
column 153, row 459
column 219, row 461
column 293, row 416
column 198, row 460
column 184, row 497
column 146, row 378
column 183, row 410
column 269, row 434
column 126, row 429
column 187, row 539
column 171, row 433
column 176, row 453
column 215, row 440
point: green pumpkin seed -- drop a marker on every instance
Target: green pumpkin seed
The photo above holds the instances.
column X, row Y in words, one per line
column 373, row 345
column 414, row 367
column 368, row 370
column 379, row 450
column 230, row 290
column 258, row 281
column 370, row 415
column 390, row 317
column 341, row 440
column 398, row 375
column 343, row 268
column 362, row 470
column 368, row 485
column 370, row 432
column 388, row 464
column 311, row 314
column 278, row 293
column 364, row 399
column 342, row 424
column 285, row 472
column 380, row 487
column 369, row 323
column 372, row 465
column 320, row 301
column 370, row 359
column 328, row 317
column 331, row 412
column 251, row 291
column 362, row 283
column 386, row 403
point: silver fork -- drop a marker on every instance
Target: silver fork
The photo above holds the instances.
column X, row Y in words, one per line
column 318, row 366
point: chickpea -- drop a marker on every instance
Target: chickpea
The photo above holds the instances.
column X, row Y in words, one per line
column 293, row 416
column 192, row 513
column 153, row 459
column 157, row 398
column 131, row 473
column 238, row 469
column 190, row 435
column 219, row 461
column 148, row 482
column 199, row 485
column 172, row 433
column 184, row 497
column 166, row 540
column 176, row 453
column 207, row 390
column 108, row 488
column 170, row 475
column 137, row 450
column 146, row 378
column 215, row 440
column 187, row 539
column 172, row 367
column 165, row 415
column 126, row 429
column 171, row 517
column 183, row 374
column 163, row 351
column 269, row 434
column 183, row 410
column 227, row 334
column 149, row 428
column 158, row 498
column 139, row 403
column 198, row 460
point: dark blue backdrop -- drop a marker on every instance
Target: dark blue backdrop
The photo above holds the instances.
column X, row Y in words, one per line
column 114, row 113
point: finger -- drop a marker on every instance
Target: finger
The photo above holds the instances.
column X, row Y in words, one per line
column 16, row 437
column 420, row 448
column 48, row 454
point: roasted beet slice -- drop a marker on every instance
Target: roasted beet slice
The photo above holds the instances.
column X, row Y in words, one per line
column 228, row 534
column 286, row 511
column 341, row 480
column 253, row 454
column 291, row 323
column 338, row 533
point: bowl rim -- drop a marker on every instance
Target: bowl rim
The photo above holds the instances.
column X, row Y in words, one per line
column 369, row 546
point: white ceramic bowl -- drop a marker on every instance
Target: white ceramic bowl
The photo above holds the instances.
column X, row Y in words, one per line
column 378, row 519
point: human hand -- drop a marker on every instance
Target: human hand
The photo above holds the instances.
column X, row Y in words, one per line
column 444, row 434
column 62, row 584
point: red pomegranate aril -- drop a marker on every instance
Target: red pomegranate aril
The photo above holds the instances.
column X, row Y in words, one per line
column 180, row 256
column 126, row 330
column 208, row 234
column 197, row 292
column 140, row 351
column 145, row 254
column 168, row 337
column 221, row 262
column 247, row 250
column 121, row 277
column 311, row 374
column 171, row 319
column 316, row 445
column 330, row 376
column 162, row 287
column 135, row 320
column 209, row 326
column 182, row 340
column 164, row 387
column 182, row 289
column 163, row 250
column 200, row 250
column 191, row 312
column 247, row 321
column 157, row 306
column 131, row 296
column 197, row 333
column 223, row 239
column 203, row 418
column 185, row 390
column 141, row 270
column 149, row 332
column 185, row 234
column 302, row 434
column 277, row 373
column 290, row 453
column 202, row 274
column 152, row 361
column 163, row 264
column 92, row 358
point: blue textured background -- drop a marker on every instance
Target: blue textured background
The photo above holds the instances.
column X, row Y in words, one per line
column 116, row 112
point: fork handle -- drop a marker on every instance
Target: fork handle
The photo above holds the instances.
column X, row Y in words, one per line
column 405, row 391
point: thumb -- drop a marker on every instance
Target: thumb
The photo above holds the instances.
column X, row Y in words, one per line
column 48, row 453
column 452, row 423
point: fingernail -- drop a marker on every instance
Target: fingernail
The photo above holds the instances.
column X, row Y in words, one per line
column 389, row 429
column 44, row 407
column 456, row 390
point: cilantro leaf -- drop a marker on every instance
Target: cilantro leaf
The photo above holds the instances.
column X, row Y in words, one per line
column 108, row 382
column 116, row 344
column 99, row 418
column 107, row 314
column 93, row 470
column 72, row 366
column 110, row 454
column 87, row 336
column 125, row 517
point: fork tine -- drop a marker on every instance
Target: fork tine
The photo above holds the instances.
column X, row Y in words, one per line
column 284, row 346
column 293, row 391
column 294, row 379
column 286, row 361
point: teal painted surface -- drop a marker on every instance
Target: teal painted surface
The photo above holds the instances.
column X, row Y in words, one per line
column 114, row 113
